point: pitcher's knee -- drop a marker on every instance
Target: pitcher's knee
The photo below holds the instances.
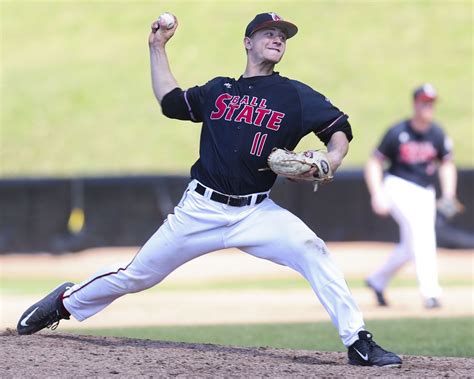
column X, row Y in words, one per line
column 313, row 243
column 316, row 244
column 305, row 244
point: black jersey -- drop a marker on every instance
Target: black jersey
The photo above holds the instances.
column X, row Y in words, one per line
column 414, row 156
column 244, row 119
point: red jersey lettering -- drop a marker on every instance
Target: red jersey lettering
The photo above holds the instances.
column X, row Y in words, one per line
column 221, row 106
column 245, row 100
column 261, row 113
column 274, row 121
column 249, row 110
column 232, row 107
column 245, row 114
column 417, row 152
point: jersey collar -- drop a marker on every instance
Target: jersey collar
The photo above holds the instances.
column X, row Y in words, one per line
column 261, row 79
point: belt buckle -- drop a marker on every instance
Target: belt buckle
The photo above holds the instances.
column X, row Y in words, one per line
column 233, row 197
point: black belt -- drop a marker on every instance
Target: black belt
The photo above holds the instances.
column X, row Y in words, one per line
column 234, row 201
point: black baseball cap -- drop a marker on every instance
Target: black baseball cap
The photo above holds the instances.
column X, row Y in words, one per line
column 426, row 92
column 268, row 20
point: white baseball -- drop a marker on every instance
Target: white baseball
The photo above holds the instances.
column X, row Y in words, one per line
column 168, row 20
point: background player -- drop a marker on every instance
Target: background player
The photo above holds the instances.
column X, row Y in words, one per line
column 227, row 202
column 413, row 149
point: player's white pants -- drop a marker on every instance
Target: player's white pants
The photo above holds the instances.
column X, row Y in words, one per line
column 200, row 225
column 414, row 209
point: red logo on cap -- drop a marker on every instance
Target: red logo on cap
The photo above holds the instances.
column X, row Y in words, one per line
column 275, row 17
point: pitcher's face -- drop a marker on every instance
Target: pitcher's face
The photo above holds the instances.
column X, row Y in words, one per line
column 266, row 45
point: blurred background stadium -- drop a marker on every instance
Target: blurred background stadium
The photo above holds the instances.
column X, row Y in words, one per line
column 80, row 130
column 77, row 99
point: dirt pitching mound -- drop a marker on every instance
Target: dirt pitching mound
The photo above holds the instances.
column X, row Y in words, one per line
column 66, row 355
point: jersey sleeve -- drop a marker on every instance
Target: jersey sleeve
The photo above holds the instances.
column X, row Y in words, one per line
column 194, row 98
column 320, row 116
column 187, row 104
column 173, row 105
column 387, row 147
column 444, row 145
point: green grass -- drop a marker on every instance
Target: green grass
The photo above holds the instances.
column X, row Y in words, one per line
column 76, row 96
column 22, row 286
column 430, row 337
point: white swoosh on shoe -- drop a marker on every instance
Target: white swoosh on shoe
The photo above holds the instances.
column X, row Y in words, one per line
column 364, row 357
column 23, row 322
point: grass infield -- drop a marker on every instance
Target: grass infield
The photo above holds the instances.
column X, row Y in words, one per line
column 453, row 337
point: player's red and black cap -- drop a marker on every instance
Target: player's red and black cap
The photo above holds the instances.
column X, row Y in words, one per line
column 268, row 20
column 426, row 92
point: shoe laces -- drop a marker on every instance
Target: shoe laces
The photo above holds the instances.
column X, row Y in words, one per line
column 53, row 326
column 53, row 320
column 372, row 344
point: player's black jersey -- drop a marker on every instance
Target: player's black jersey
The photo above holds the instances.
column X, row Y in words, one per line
column 244, row 119
column 414, row 156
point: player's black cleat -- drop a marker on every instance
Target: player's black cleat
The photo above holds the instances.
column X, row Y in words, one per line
column 365, row 352
column 378, row 295
column 432, row 303
column 46, row 313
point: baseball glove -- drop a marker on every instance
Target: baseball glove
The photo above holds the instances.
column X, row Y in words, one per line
column 449, row 207
column 294, row 165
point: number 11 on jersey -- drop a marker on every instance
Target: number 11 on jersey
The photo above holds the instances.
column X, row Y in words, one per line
column 257, row 144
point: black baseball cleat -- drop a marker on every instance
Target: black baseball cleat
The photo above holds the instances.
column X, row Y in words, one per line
column 432, row 303
column 365, row 352
column 46, row 313
column 378, row 295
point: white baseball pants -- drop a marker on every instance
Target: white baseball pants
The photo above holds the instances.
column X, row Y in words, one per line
column 414, row 209
column 199, row 226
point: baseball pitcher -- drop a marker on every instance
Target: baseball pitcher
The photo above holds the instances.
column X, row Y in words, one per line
column 249, row 127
